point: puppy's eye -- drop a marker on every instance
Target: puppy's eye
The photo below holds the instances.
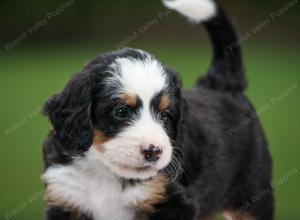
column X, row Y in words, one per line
column 164, row 115
column 121, row 112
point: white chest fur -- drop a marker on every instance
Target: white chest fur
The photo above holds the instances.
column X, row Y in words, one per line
column 88, row 186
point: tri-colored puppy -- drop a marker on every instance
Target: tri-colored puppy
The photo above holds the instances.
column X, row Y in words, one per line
column 123, row 131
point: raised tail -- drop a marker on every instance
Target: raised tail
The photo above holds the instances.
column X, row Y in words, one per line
column 226, row 72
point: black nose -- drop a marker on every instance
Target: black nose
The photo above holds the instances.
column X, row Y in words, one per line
column 152, row 153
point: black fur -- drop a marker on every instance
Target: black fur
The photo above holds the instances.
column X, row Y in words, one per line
column 224, row 168
column 226, row 72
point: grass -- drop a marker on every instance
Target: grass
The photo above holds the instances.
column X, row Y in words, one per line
column 28, row 76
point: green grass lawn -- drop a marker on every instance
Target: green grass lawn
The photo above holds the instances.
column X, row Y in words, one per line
column 28, row 76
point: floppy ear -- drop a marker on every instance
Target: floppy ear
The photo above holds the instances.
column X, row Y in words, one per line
column 69, row 114
column 178, row 104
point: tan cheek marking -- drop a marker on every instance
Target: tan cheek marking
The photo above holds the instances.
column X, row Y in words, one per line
column 157, row 187
column 99, row 139
column 232, row 215
column 164, row 103
column 130, row 100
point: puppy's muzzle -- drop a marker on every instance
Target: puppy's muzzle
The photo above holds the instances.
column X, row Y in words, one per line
column 151, row 153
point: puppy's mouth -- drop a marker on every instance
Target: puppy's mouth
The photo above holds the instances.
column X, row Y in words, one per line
column 141, row 168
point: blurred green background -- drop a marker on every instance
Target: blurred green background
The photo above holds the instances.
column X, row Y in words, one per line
column 43, row 43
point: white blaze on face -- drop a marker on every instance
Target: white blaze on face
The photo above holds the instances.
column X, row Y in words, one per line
column 145, row 79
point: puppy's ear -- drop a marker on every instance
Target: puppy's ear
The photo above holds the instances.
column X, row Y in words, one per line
column 174, row 79
column 69, row 114
column 177, row 108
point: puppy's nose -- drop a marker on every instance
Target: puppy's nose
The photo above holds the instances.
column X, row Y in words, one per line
column 152, row 153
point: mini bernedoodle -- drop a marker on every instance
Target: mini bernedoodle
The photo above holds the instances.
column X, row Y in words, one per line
column 128, row 144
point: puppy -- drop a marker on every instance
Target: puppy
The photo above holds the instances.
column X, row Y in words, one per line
column 123, row 131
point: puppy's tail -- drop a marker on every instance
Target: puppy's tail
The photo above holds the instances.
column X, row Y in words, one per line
column 226, row 72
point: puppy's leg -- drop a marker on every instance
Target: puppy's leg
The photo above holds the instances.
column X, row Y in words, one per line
column 230, row 216
column 262, row 209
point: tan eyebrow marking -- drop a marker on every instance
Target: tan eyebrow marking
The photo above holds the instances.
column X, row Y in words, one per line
column 130, row 100
column 164, row 102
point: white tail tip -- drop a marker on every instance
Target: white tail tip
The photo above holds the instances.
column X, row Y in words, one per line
column 195, row 10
